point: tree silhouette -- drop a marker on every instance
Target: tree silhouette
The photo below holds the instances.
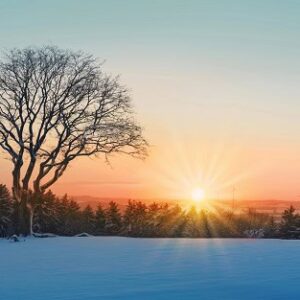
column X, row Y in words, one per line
column 5, row 209
column 55, row 106
column 113, row 218
column 100, row 220
column 88, row 220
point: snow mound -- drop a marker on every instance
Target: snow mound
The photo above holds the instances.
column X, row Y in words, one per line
column 83, row 234
column 14, row 238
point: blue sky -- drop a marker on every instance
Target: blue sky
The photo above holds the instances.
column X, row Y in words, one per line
column 233, row 38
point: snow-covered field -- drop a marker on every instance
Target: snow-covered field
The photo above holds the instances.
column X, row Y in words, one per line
column 127, row 268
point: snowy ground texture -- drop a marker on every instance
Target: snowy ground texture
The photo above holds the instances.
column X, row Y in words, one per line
column 126, row 268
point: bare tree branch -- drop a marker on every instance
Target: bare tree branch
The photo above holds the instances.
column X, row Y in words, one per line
column 58, row 105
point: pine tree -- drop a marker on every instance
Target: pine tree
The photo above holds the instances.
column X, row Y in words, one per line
column 45, row 214
column 128, row 218
column 289, row 217
column 113, row 216
column 100, row 220
column 88, row 220
column 192, row 228
column 290, row 222
column 176, row 221
column 135, row 219
column 68, row 215
column 204, row 227
column 5, row 210
column 162, row 220
column 153, row 220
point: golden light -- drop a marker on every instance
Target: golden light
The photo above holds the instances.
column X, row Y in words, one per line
column 198, row 194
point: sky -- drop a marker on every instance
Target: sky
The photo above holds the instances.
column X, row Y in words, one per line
column 215, row 85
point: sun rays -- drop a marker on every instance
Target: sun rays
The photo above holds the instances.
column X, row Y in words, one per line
column 200, row 171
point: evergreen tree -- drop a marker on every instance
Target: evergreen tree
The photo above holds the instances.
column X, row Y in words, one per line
column 290, row 222
column 153, row 220
column 113, row 217
column 68, row 216
column 204, row 226
column 177, row 221
column 192, row 223
column 45, row 213
column 88, row 220
column 289, row 217
column 163, row 220
column 100, row 220
column 5, row 210
column 135, row 218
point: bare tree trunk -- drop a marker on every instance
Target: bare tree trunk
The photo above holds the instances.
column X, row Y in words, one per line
column 23, row 227
column 25, row 210
column 31, row 212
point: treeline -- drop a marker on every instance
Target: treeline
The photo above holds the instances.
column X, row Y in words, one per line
column 63, row 216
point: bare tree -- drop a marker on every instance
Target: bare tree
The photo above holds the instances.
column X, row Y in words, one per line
column 55, row 106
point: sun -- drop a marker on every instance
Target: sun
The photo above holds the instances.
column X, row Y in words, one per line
column 198, row 194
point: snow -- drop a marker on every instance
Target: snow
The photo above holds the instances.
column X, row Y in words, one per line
column 156, row 269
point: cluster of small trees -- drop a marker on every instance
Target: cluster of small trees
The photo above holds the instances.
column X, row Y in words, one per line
column 163, row 220
column 290, row 224
column 63, row 216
